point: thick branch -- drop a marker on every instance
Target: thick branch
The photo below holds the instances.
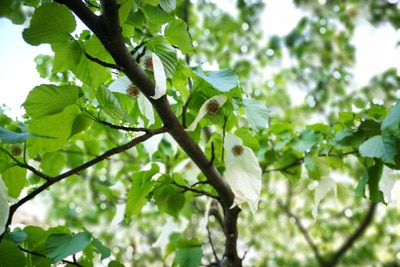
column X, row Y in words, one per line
column 108, row 30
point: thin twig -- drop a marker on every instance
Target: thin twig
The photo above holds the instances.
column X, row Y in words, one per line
column 102, row 63
column 44, row 256
column 199, row 192
column 124, row 128
column 305, row 233
column 52, row 180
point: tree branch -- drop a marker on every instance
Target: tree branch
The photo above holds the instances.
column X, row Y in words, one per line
column 75, row 263
column 102, row 63
column 53, row 180
column 304, row 232
column 108, row 30
column 353, row 237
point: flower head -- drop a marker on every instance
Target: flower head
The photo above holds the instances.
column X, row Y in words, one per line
column 211, row 106
column 242, row 172
column 124, row 86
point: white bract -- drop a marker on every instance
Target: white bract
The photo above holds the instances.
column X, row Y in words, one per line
column 4, row 207
column 159, row 77
column 211, row 106
column 122, row 85
column 320, row 192
column 242, row 172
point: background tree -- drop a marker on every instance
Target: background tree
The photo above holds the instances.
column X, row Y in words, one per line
column 149, row 158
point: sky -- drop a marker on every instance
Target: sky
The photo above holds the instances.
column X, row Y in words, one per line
column 375, row 52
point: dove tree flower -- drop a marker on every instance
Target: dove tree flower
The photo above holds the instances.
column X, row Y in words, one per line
column 124, row 85
column 211, row 106
column 242, row 172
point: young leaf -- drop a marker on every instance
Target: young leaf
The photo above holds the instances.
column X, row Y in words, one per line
column 50, row 99
column 222, row 80
column 50, row 23
column 60, row 246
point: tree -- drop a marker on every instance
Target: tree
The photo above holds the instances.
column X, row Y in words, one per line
column 189, row 163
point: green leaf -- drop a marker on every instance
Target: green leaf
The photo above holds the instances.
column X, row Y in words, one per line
column 60, row 246
column 165, row 52
column 256, row 113
column 168, row 5
column 91, row 73
column 151, row 2
column 371, row 177
column 109, row 104
column 50, row 99
column 95, row 48
column 156, row 15
column 50, row 23
column 4, row 207
column 177, row 34
column 14, row 178
column 124, row 10
column 289, row 166
column 142, row 185
column 222, row 80
column 104, row 251
column 307, row 139
column 81, row 123
column 57, row 126
column 9, row 137
column 189, row 257
column 66, row 56
column 391, row 123
column 381, row 147
column 11, row 255
column 17, row 237
column 52, row 163
column 115, row 264
column 169, row 199
column 316, row 166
